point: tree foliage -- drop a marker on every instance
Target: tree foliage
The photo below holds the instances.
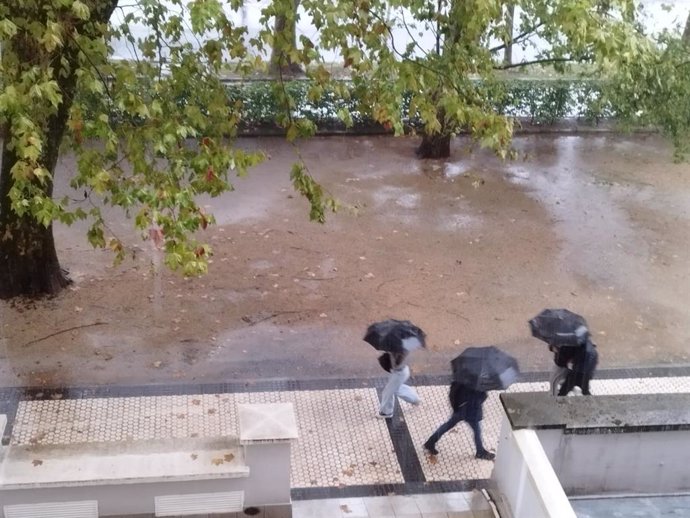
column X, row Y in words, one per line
column 153, row 132
column 654, row 89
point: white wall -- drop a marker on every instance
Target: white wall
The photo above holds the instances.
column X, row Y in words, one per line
column 642, row 462
column 525, row 484
column 269, row 480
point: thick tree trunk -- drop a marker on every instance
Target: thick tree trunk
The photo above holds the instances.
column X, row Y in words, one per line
column 28, row 261
column 434, row 146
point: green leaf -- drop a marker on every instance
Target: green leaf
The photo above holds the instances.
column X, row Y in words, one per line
column 80, row 10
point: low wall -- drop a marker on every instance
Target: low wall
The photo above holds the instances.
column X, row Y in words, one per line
column 524, row 482
column 551, row 447
column 166, row 477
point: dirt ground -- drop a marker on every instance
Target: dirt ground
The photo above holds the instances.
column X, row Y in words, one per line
column 469, row 249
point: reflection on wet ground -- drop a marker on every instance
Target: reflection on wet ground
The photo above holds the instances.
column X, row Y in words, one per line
column 468, row 248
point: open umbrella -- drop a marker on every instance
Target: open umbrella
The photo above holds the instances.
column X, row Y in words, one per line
column 395, row 336
column 559, row 327
column 485, row 368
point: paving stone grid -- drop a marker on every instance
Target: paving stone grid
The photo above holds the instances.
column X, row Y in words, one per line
column 342, row 443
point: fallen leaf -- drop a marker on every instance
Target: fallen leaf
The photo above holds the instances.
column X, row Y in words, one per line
column 349, row 472
column 217, row 462
column 344, row 508
column 37, row 438
column 228, row 457
column 212, row 411
column 157, row 364
column 196, row 402
column 194, row 456
column 433, row 459
column 37, row 462
column 369, row 276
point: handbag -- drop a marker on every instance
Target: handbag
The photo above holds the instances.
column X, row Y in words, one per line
column 385, row 362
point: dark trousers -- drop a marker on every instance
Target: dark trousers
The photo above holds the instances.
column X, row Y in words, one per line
column 454, row 420
column 575, row 379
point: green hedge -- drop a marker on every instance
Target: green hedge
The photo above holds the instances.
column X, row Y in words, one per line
column 540, row 102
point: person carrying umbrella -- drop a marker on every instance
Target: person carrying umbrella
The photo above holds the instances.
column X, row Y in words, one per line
column 396, row 338
column 575, row 355
column 476, row 371
column 583, row 361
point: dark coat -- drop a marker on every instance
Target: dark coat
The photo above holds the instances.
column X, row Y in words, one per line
column 467, row 402
column 584, row 362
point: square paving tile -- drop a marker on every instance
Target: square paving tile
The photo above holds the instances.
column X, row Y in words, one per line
column 456, row 458
column 341, row 442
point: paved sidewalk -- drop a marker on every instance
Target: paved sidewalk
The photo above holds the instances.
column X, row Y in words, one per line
column 344, row 455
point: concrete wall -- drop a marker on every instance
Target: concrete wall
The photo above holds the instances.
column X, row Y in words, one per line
column 119, row 499
column 524, row 483
column 638, row 462
column 270, row 474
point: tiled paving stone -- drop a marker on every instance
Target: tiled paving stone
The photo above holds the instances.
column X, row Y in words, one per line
column 456, row 448
column 341, row 442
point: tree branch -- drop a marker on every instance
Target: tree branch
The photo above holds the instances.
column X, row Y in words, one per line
column 570, row 59
column 93, row 65
column 73, row 328
column 516, row 39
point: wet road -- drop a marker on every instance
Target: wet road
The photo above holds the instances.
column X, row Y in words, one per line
column 469, row 249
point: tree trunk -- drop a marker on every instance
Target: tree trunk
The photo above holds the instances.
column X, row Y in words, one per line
column 510, row 24
column 686, row 32
column 285, row 37
column 28, row 261
column 434, row 146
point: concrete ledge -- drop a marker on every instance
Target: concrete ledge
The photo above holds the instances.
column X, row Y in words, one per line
column 598, row 414
column 90, row 464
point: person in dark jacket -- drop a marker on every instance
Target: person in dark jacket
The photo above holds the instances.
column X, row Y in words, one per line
column 583, row 363
column 467, row 406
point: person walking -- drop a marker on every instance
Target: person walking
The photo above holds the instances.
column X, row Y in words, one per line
column 399, row 373
column 467, row 406
column 584, row 360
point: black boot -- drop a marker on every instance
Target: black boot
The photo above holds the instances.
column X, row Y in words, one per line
column 485, row 455
column 430, row 447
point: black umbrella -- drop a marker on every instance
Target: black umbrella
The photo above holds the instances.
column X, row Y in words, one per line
column 395, row 336
column 559, row 327
column 485, row 368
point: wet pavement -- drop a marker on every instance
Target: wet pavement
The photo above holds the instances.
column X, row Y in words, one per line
column 469, row 249
column 344, row 455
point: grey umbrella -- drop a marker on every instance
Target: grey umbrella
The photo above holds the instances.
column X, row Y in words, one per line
column 560, row 327
column 395, row 336
column 485, row 368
